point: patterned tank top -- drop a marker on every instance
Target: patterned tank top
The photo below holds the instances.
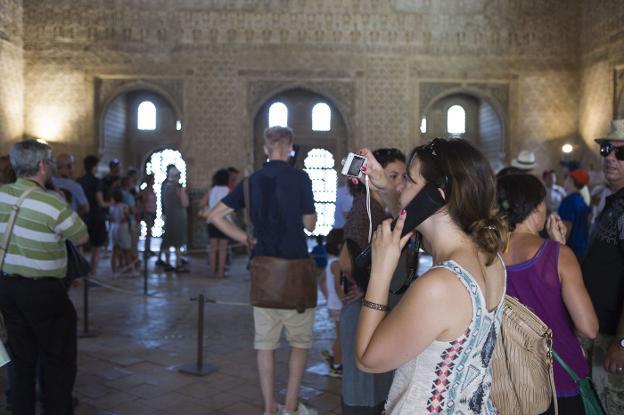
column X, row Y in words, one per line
column 452, row 377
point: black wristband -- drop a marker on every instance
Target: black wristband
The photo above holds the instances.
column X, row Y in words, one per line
column 374, row 306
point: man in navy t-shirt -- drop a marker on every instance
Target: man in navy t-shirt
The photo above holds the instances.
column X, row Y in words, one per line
column 281, row 206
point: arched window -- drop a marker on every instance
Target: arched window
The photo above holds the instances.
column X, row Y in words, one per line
column 456, row 120
column 278, row 115
column 319, row 164
column 146, row 116
column 321, row 117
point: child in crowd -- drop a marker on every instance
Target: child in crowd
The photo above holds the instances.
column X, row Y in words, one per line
column 147, row 199
column 218, row 240
column 319, row 254
column 119, row 216
column 334, row 294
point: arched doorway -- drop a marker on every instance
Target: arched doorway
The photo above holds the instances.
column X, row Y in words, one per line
column 320, row 139
column 135, row 123
column 470, row 117
column 156, row 164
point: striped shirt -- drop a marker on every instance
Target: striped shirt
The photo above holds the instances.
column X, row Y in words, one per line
column 37, row 245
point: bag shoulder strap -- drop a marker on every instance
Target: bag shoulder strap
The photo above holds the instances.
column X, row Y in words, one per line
column 567, row 368
column 553, row 387
column 248, row 224
column 11, row 222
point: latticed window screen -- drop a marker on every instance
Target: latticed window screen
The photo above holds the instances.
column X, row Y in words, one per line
column 319, row 164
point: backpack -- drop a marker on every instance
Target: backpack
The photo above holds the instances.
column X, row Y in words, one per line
column 522, row 364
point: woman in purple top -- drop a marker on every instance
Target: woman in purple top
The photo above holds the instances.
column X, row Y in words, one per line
column 545, row 276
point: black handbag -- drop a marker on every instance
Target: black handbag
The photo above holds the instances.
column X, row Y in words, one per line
column 77, row 265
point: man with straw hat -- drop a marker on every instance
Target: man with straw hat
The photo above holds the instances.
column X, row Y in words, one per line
column 603, row 271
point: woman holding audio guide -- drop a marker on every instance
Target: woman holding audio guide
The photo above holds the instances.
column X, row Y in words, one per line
column 441, row 335
column 363, row 393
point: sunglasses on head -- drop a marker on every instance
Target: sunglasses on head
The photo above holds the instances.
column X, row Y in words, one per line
column 433, row 148
column 388, row 152
column 606, row 148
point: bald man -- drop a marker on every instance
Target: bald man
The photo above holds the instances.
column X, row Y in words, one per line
column 64, row 180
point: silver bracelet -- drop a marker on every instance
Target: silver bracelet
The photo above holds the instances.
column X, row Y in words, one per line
column 374, row 306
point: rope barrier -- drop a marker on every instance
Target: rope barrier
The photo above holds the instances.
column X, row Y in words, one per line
column 146, row 294
column 160, row 296
column 230, row 246
column 207, row 249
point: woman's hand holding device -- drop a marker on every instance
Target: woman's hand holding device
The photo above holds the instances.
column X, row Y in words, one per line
column 388, row 242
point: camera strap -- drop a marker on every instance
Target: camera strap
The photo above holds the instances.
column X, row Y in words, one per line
column 368, row 209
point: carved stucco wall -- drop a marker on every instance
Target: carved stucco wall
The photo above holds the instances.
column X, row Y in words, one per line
column 618, row 93
column 11, row 69
column 602, row 57
column 545, row 115
column 217, row 49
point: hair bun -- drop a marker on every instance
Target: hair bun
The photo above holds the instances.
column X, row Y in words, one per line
column 490, row 235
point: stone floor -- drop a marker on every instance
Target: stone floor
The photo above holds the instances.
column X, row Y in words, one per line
column 131, row 365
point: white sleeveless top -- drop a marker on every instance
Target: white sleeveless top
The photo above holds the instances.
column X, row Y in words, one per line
column 452, row 377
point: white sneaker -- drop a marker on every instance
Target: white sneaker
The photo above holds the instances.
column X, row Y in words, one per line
column 280, row 408
column 301, row 410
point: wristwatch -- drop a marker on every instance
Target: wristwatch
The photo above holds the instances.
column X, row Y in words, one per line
column 621, row 342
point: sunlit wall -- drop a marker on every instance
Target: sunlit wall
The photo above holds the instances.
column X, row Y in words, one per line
column 11, row 73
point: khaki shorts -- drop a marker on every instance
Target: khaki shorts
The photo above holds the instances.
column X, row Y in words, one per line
column 269, row 322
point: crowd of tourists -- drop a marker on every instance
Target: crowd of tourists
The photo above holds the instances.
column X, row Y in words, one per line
column 406, row 351
column 406, row 343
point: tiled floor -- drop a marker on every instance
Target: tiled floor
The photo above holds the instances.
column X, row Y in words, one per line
column 131, row 366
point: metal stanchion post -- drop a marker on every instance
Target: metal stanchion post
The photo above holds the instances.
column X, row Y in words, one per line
column 145, row 258
column 199, row 369
column 85, row 309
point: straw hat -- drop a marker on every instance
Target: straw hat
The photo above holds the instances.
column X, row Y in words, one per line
column 524, row 161
column 616, row 132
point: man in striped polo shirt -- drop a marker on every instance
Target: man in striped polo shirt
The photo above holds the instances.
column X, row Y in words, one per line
column 40, row 318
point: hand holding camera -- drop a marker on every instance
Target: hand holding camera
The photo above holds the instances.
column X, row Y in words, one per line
column 364, row 163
